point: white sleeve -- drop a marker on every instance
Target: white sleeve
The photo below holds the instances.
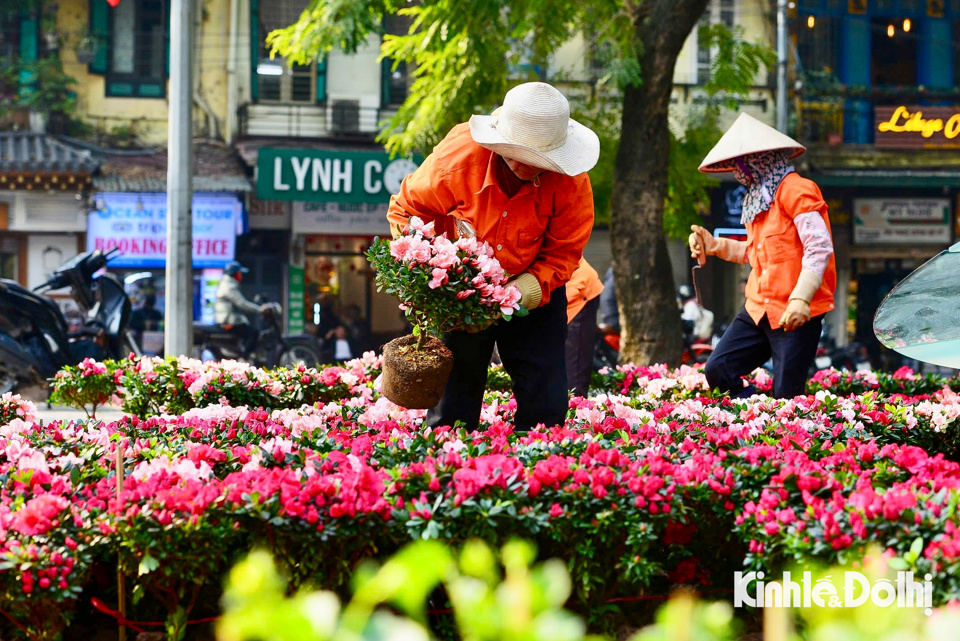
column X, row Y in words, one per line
column 817, row 244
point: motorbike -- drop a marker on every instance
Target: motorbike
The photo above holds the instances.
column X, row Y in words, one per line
column 606, row 348
column 695, row 350
column 606, row 351
column 35, row 338
column 852, row 357
column 272, row 347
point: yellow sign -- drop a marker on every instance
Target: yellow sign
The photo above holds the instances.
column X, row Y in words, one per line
column 903, row 121
column 857, row 7
column 935, row 8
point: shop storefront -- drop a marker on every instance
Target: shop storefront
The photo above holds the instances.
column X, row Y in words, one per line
column 338, row 203
column 881, row 234
column 135, row 225
column 38, row 233
column 44, row 183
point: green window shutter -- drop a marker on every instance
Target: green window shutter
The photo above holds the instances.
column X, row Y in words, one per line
column 27, row 53
column 166, row 38
column 322, row 80
column 255, row 49
column 100, row 30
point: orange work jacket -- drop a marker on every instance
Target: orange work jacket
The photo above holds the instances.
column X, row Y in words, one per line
column 542, row 230
column 584, row 285
column 774, row 251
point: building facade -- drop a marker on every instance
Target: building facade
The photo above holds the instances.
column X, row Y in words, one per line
column 877, row 104
column 286, row 167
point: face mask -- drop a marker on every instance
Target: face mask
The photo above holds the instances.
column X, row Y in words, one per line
column 742, row 173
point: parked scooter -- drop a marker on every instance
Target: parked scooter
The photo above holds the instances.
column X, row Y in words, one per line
column 272, row 348
column 606, row 351
column 606, row 348
column 852, row 357
column 695, row 349
column 35, row 340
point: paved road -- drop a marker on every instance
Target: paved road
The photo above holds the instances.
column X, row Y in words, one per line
column 61, row 413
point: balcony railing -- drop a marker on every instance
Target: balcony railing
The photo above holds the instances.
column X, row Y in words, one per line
column 337, row 119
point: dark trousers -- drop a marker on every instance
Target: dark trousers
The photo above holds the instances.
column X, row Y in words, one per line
column 581, row 336
column 746, row 346
column 531, row 350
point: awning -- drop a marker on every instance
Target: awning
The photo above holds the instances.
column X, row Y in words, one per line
column 28, row 152
column 216, row 168
column 893, row 178
column 156, row 183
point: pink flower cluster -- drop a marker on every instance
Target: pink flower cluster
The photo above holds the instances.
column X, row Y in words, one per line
column 465, row 264
column 631, row 472
column 12, row 406
column 91, row 367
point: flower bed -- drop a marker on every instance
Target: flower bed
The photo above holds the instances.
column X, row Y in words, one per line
column 636, row 491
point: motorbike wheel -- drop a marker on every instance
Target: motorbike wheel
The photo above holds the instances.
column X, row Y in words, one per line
column 299, row 352
column 7, row 383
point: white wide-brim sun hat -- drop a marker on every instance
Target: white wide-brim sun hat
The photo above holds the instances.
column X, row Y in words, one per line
column 534, row 127
column 746, row 136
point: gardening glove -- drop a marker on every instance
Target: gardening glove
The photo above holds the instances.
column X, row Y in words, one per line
column 798, row 309
column 530, row 292
column 396, row 230
column 732, row 251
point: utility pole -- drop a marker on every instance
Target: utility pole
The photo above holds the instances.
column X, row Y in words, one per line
column 782, row 66
column 178, row 319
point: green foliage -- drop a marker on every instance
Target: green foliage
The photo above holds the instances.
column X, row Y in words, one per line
column 88, row 384
column 683, row 617
column 525, row 602
column 44, row 86
column 460, row 68
column 733, row 70
column 602, row 115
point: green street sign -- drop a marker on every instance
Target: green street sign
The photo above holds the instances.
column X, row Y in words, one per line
column 321, row 175
column 295, row 311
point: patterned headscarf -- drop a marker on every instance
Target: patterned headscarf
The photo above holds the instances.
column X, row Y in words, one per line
column 761, row 175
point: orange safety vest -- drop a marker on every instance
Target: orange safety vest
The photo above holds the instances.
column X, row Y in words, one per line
column 584, row 285
column 774, row 251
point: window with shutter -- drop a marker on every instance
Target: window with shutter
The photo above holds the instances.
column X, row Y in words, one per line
column 276, row 79
column 394, row 82
column 717, row 12
column 135, row 56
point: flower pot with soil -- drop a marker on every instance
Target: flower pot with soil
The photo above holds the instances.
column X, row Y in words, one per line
column 415, row 378
column 443, row 286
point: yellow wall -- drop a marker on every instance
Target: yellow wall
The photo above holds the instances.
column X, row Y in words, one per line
column 147, row 117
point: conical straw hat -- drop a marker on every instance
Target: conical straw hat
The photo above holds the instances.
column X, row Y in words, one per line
column 747, row 136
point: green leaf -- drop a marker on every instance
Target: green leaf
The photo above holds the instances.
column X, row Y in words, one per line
column 916, row 547
column 147, row 565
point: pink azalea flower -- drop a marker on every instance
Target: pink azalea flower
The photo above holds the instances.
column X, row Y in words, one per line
column 439, row 278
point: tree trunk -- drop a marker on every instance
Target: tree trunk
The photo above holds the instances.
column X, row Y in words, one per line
column 646, row 294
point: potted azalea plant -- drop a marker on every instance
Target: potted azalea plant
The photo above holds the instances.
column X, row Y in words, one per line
column 443, row 285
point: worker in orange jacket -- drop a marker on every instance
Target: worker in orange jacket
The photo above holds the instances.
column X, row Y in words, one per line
column 790, row 249
column 583, row 301
column 517, row 178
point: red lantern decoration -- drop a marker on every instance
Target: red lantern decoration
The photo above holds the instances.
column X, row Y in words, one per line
column 113, row 3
